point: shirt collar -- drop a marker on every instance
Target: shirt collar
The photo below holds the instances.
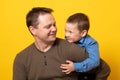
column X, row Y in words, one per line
column 81, row 40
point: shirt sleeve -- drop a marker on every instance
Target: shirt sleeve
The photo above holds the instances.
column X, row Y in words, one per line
column 19, row 69
column 92, row 61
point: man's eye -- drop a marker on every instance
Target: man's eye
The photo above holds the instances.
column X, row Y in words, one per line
column 47, row 27
column 54, row 25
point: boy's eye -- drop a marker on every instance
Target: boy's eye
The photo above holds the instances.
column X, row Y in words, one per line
column 70, row 32
column 67, row 31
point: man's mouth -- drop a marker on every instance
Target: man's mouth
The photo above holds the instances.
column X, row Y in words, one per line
column 52, row 34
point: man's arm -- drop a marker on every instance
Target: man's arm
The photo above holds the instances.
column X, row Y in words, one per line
column 73, row 52
column 19, row 69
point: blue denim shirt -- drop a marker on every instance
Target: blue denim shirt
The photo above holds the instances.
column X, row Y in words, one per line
column 91, row 47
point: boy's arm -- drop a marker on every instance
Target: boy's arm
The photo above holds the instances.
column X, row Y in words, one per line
column 67, row 68
column 91, row 62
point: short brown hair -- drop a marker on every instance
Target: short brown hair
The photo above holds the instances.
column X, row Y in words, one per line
column 81, row 19
column 32, row 16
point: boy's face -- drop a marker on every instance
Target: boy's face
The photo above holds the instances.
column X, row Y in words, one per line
column 72, row 34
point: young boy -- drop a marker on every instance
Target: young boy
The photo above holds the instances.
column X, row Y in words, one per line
column 76, row 31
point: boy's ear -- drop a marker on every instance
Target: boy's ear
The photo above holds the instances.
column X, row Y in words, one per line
column 83, row 33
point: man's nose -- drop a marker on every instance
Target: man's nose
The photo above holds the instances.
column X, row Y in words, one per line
column 54, row 28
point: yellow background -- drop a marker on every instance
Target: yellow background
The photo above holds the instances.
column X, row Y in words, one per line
column 105, row 28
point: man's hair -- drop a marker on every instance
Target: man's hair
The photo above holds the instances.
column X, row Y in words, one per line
column 81, row 20
column 32, row 16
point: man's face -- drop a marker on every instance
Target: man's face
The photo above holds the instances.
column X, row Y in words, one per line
column 46, row 29
column 72, row 33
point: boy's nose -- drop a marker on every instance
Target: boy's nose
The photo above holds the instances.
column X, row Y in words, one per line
column 67, row 34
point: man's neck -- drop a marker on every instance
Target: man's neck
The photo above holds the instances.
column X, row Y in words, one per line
column 44, row 47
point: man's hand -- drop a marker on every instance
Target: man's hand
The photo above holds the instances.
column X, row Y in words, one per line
column 68, row 67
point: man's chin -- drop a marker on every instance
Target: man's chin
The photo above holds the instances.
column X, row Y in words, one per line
column 53, row 38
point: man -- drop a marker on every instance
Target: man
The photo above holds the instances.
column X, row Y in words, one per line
column 42, row 59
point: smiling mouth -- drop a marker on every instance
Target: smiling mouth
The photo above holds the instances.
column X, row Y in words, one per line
column 53, row 34
column 66, row 38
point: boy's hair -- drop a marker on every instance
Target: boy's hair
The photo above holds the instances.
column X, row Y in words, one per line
column 81, row 20
column 32, row 16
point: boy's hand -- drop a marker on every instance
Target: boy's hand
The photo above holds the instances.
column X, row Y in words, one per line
column 68, row 67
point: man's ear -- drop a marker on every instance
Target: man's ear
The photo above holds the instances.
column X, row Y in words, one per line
column 83, row 33
column 32, row 30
